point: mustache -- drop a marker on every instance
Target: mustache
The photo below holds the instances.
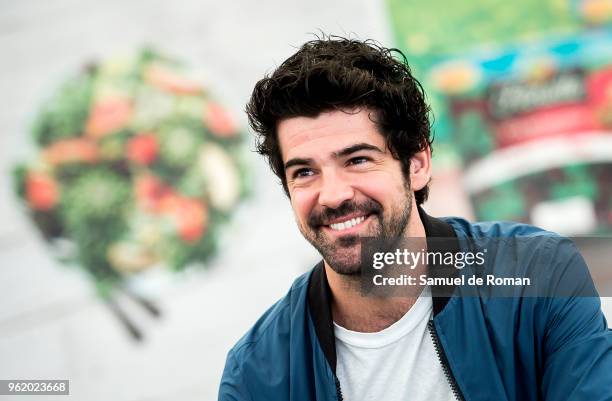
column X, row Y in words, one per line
column 321, row 217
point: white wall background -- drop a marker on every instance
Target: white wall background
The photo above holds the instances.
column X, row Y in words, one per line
column 51, row 323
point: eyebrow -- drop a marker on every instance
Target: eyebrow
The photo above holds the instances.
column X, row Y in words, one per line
column 297, row 162
column 356, row 148
column 341, row 153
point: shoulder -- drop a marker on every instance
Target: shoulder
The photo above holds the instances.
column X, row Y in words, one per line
column 261, row 356
column 495, row 229
column 503, row 236
column 552, row 262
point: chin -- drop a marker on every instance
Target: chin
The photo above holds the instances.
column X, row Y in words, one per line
column 347, row 264
column 342, row 254
column 352, row 271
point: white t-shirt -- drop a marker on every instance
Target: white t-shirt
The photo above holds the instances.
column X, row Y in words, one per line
column 397, row 363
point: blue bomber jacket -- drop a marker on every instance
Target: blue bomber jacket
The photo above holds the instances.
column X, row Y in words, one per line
column 522, row 348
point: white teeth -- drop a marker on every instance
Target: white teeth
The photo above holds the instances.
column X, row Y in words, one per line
column 347, row 224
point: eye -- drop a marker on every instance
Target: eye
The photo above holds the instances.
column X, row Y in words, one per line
column 302, row 172
column 358, row 160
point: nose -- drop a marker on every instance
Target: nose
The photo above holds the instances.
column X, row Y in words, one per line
column 334, row 190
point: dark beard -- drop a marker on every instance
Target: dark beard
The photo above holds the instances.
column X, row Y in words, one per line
column 343, row 255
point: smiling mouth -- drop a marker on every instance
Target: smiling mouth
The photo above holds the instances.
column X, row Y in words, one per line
column 348, row 223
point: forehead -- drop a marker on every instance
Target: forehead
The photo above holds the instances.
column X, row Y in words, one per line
column 327, row 132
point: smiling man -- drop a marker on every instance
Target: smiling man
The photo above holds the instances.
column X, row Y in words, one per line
column 344, row 125
column 345, row 184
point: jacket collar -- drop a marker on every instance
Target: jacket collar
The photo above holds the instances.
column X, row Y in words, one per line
column 319, row 293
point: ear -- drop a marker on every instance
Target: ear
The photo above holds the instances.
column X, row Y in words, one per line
column 420, row 169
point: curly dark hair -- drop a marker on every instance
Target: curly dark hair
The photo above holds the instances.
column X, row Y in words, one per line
column 336, row 73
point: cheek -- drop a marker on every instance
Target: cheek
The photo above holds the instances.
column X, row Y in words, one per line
column 302, row 202
column 384, row 187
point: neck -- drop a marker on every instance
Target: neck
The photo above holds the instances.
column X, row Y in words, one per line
column 354, row 311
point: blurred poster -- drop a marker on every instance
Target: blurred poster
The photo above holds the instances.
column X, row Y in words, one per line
column 533, row 128
column 521, row 94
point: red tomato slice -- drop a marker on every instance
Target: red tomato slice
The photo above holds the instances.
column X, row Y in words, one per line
column 108, row 116
column 71, row 151
column 218, row 120
column 171, row 81
column 42, row 191
column 143, row 149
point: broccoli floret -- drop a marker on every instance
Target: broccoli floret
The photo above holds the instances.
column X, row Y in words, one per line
column 66, row 113
column 97, row 195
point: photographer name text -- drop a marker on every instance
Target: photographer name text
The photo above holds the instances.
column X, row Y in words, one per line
column 424, row 279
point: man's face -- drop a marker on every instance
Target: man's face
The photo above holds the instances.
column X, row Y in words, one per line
column 343, row 183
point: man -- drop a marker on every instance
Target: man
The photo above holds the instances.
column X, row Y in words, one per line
column 345, row 127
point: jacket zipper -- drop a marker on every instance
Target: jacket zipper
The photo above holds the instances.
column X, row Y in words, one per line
column 338, row 390
column 444, row 362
